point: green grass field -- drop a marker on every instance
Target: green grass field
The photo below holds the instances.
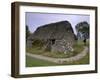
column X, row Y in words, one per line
column 78, row 47
column 32, row 62
column 84, row 60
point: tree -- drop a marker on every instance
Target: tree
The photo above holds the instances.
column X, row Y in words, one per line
column 83, row 29
column 27, row 32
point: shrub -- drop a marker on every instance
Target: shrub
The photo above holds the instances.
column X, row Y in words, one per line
column 38, row 43
column 78, row 47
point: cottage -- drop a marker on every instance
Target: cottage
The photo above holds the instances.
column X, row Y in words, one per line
column 57, row 37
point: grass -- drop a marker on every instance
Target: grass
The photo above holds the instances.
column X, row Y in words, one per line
column 84, row 60
column 78, row 47
column 32, row 62
column 34, row 50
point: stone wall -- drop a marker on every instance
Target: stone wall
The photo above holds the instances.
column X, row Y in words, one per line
column 62, row 46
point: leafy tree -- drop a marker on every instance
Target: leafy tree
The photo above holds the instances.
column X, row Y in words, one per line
column 83, row 29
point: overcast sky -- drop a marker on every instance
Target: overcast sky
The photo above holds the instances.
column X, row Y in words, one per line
column 34, row 20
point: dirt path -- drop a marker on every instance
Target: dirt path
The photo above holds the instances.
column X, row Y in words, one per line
column 60, row 60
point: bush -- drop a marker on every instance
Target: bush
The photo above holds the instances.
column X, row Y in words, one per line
column 37, row 43
column 78, row 47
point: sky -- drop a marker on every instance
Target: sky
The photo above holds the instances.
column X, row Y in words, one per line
column 35, row 20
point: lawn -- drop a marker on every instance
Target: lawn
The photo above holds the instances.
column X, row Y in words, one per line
column 32, row 62
column 78, row 47
column 84, row 60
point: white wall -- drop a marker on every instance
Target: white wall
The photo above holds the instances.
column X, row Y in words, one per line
column 5, row 40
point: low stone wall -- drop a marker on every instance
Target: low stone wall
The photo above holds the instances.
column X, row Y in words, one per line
column 62, row 46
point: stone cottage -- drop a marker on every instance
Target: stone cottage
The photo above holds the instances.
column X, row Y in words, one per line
column 58, row 37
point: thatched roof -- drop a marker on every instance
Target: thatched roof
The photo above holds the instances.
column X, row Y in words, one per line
column 58, row 30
